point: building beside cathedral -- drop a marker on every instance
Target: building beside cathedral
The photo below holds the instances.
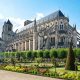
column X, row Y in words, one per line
column 52, row 31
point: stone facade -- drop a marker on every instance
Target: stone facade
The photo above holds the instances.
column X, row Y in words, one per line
column 52, row 31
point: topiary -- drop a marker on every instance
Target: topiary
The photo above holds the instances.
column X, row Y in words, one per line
column 53, row 53
column 46, row 54
column 62, row 54
column 39, row 53
column 70, row 62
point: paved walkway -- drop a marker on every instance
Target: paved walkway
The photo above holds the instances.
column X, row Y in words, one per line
column 7, row 75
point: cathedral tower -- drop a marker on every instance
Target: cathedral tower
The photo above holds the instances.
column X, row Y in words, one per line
column 7, row 30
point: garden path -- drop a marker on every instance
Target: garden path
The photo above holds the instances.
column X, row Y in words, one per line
column 8, row 75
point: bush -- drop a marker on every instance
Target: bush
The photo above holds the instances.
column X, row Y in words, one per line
column 78, row 54
column 46, row 54
column 62, row 53
column 18, row 55
column 40, row 54
column 70, row 62
column 53, row 53
column 38, row 60
column 29, row 54
column 34, row 54
column 23, row 55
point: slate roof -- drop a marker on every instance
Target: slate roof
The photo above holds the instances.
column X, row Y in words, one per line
column 52, row 16
column 46, row 19
column 8, row 22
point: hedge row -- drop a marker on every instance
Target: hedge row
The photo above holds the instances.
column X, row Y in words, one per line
column 56, row 53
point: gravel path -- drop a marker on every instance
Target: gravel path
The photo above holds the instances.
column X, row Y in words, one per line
column 8, row 75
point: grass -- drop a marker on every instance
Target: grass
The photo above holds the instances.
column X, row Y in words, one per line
column 51, row 68
column 62, row 70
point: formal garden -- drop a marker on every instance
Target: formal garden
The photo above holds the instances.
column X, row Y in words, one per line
column 60, row 63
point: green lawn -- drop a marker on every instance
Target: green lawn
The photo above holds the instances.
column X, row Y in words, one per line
column 62, row 70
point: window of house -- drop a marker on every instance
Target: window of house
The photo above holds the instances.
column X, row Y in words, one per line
column 62, row 39
column 61, row 27
column 9, row 28
column 52, row 39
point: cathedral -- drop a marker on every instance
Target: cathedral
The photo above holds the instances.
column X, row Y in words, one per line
column 52, row 31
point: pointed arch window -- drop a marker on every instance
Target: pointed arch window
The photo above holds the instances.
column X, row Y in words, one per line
column 61, row 27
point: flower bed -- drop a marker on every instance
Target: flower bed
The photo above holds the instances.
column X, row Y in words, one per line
column 42, row 72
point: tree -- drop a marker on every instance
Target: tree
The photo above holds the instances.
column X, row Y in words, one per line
column 70, row 62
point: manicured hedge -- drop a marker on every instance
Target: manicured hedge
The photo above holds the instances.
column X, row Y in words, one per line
column 60, row 53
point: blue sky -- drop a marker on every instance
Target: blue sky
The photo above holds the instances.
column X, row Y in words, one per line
column 20, row 10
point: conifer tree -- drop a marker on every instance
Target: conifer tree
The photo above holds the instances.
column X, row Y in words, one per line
column 70, row 62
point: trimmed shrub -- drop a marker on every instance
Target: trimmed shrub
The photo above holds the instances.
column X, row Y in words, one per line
column 29, row 54
column 18, row 55
column 78, row 54
column 46, row 54
column 34, row 54
column 62, row 53
column 70, row 62
column 40, row 54
column 53, row 53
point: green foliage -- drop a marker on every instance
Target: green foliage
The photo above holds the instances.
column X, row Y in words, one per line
column 53, row 60
column 13, row 54
column 34, row 54
column 18, row 55
column 46, row 54
column 78, row 53
column 23, row 55
column 29, row 54
column 67, row 75
column 13, row 61
column 70, row 62
column 62, row 53
column 38, row 60
column 40, row 53
column 53, row 53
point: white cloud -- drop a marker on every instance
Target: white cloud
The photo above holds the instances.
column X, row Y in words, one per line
column 18, row 23
column 78, row 30
column 1, row 16
column 39, row 15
